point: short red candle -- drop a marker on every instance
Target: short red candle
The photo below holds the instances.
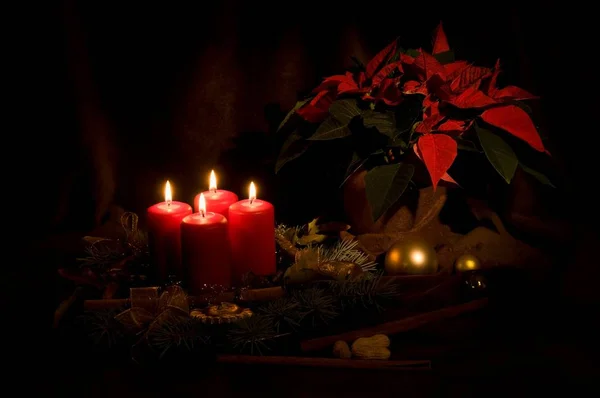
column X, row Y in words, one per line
column 205, row 250
column 164, row 234
column 217, row 200
column 252, row 237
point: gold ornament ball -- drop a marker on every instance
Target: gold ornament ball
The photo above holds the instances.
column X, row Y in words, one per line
column 467, row 262
column 412, row 256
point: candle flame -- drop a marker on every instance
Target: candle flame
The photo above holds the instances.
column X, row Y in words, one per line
column 168, row 194
column 202, row 205
column 252, row 195
column 212, row 184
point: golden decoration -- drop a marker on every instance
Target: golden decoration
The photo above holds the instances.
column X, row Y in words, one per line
column 343, row 262
column 467, row 262
column 221, row 313
column 340, row 270
column 148, row 309
column 412, row 256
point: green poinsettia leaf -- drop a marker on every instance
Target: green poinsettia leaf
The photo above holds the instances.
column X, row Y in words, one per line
column 344, row 110
column 294, row 146
column 412, row 52
column 464, row 145
column 385, row 184
column 498, row 152
column 445, row 58
column 356, row 163
column 537, row 175
column 287, row 117
column 331, row 129
column 384, row 122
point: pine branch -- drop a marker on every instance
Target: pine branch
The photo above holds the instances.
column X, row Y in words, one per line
column 252, row 334
column 177, row 332
column 368, row 292
column 346, row 250
column 317, row 307
column 102, row 327
column 282, row 312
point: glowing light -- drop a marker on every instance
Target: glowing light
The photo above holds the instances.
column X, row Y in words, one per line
column 212, row 185
column 252, row 195
column 417, row 257
column 202, row 205
column 168, row 194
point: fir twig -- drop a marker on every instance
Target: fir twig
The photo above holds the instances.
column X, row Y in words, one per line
column 346, row 250
column 282, row 312
column 251, row 334
column 175, row 332
column 316, row 306
column 102, row 327
column 367, row 292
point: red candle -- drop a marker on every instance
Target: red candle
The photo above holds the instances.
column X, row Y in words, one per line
column 205, row 248
column 164, row 236
column 217, row 200
column 252, row 237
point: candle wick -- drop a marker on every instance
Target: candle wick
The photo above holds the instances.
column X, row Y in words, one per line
column 202, row 212
column 251, row 200
column 214, row 190
column 168, row 203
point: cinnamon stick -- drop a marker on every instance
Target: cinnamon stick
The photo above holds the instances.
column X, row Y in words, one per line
column 398, row 326
column 326, row 362
column 265, row 294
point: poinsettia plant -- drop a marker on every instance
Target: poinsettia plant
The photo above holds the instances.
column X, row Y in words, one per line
column 406, row 101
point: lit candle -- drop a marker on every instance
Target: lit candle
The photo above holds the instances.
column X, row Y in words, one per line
column 205, row 248
column 217, row 200
column 252, row 236
column 164, row 239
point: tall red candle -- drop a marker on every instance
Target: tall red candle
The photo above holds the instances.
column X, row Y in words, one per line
column 164, row 234
column 217, row 200
column 252, row 237
column 205, row 248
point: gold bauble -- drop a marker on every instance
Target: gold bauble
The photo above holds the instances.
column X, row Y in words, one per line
column 467, row 262
column 412, row 256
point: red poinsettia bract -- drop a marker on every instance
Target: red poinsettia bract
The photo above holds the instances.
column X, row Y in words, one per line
column 373, row 84
column 391, row 76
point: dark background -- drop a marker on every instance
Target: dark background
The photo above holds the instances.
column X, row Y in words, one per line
column 120, row 96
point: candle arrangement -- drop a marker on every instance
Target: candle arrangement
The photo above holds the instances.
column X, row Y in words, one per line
column 331, row 288
column 223, row 239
